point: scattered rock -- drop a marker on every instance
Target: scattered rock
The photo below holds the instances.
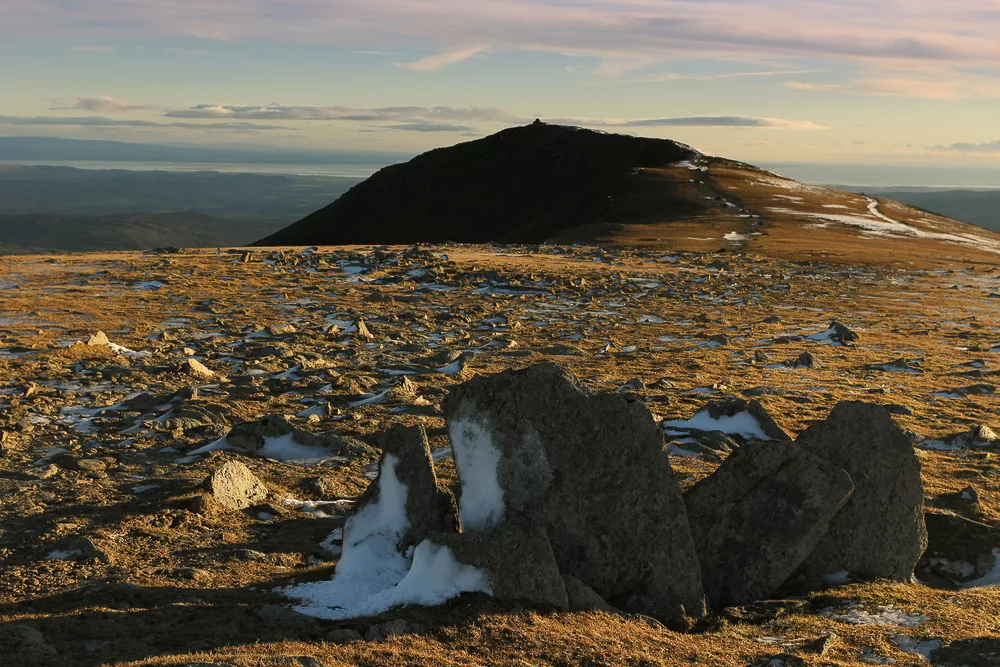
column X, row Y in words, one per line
column 284, row 617
column 396, row 628
column 23, row 642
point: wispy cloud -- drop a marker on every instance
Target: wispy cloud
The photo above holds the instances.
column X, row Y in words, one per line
column 92, row 48
column 442, row 60
column 673, row 76
column 989, row 147
column 695, row 121
column 936, row 87
column 957, row 32
column 102, row 105
column 400, row 114
column 103, row 122
column 454, row 119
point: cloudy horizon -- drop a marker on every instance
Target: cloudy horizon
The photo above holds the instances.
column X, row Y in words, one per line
column 850, row 81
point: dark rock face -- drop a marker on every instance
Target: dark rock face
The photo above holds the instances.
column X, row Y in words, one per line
column 758, row 517
column 430, row 507
column 592, row 469
column 582, row 597
column 959, row 551
column 521, row 185
column 880, row 532
column 517, row 559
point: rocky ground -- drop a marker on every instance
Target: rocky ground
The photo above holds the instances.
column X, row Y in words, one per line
column 125, row 541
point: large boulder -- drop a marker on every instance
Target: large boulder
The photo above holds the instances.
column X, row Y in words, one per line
column 516, row 558
column 757, row 518
column 880, row 532
column 590, row 468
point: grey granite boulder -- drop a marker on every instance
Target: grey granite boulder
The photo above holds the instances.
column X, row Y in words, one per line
column 757, row 518
column 880, row 532
column 592, row 469
column 517, row 559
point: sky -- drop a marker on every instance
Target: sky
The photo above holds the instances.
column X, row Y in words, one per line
column 905, row 82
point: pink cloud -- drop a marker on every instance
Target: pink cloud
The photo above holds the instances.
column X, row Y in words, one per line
column 624, row 33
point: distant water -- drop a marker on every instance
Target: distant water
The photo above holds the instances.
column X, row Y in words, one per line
column 352, row 170
column 890, row 176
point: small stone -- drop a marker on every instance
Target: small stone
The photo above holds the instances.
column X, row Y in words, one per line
column 233, row 486
column 382, row 631
column 195, row 368
column 99, row 338
column 343, row 636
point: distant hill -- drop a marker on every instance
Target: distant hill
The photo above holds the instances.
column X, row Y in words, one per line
column 563, row 184
column 71, row 192
column 521, row 184
column 52, row 149
column 140, row 231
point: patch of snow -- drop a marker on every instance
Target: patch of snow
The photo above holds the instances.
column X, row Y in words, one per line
column 287, row 448
column 991, row 578
column 131, row 354
column 477, row 460
column 372, row 575
column 742, row 423
column 924, row 648
column 62, row 555
column 885, row 615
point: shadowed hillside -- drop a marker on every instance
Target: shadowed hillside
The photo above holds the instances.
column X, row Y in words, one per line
column 570, row 185
column 523, row 184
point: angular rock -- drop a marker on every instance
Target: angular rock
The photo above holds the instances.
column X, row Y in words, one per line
column 235, row 487
column 592, row 469
column 430, row 506
column 99, row 338
column 581, row 597
column 517, row 559
column 880, row 532
column 195, row 368
column 757, row 518
column 842, row 334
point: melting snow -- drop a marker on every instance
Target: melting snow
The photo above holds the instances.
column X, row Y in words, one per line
column 477, row 460
column 742, row 423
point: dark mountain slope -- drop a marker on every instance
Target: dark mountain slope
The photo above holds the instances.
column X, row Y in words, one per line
column 524, row 184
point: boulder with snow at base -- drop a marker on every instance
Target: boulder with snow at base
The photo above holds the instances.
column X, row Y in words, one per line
column 386, row 561
column 430, row 505
column 880, row 531
column 747, row 420
column 592, row 469
column 276, row 437
column 516, row 558
column 757, row 518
